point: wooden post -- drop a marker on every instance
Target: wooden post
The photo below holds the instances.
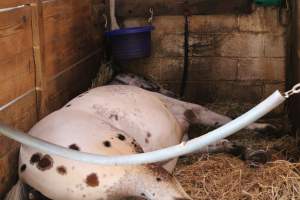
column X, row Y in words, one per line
column 38, row 49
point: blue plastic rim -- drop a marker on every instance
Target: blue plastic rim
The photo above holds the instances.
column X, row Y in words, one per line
column 130, row 43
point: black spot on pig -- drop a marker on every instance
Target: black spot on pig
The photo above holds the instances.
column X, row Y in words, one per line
column 107, row 144
column 92, row 180
column 149, row 135
column 190, row 115
column 23, row 168
column 61, row 170
column 158, row 179
column 121, row 137
column 159, row 172
column 35, row 158
column 146, row 140
column 69, row 105
column 45, row 163
column 114, row 116
column 74, row 147
column 137, row 147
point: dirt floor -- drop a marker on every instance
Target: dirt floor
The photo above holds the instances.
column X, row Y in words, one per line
column 223, row 176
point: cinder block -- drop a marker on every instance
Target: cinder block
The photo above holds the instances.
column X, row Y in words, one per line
column 212, row 68
column 200, row 92
column 264, row 19
column 203, row 44
column 148, row 67
column 213, row 23
column 272, row 22
column 271, row 69
column 254, row 22
column 169, row 45
column 171, row 69
column 163, row 24
column 168, row 25
column 172, row 86
column 244, row 91
column 241, row 45
column 275, row 46
column 271, row 87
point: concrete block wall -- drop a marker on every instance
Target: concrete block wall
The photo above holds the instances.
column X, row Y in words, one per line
column 237, row 58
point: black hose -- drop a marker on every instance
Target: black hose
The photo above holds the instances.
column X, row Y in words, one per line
column 186, row 56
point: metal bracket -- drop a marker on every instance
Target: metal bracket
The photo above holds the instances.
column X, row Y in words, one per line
column 294, row 90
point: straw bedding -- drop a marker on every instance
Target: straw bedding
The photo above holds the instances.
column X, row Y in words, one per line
column 225, row 177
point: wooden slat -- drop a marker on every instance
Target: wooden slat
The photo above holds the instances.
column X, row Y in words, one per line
column 38, row 40
column 52, row 8
column 21, row 115
column 70, row 83
column 67, row 24
column 62, row 54
column 13, row 3
column 15, row 32
column 70, row 34
column 18, row 76
column 18, row 97
column 140, row 8
column 16, row 58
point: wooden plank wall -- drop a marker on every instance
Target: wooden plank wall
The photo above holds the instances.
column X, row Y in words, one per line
column 72, row 49
column 140, row 8
column 14, row 3
column 50, row 51
column 17, row 78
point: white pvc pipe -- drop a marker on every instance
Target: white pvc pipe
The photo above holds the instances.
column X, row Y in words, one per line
column 113, row 19
column 156, row 156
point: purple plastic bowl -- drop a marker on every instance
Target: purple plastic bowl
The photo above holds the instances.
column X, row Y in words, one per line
column 130, row 43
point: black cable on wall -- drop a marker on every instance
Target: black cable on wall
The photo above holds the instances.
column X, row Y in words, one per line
column 186, row 55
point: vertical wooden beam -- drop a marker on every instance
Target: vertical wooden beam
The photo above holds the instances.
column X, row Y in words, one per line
column 107, row 12
column 39, row 53
column 293, row 70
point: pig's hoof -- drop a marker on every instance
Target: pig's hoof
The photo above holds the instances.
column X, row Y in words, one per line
column 236, row 149
column 256, row 158
column 269, row 130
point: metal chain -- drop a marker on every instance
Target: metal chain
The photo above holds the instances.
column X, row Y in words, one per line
column 294, row 90
column 151, row 10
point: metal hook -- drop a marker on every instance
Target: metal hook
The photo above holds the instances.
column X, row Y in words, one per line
column 151, row 10
column 294, row 90
column 284, row 14
column 106, row 21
